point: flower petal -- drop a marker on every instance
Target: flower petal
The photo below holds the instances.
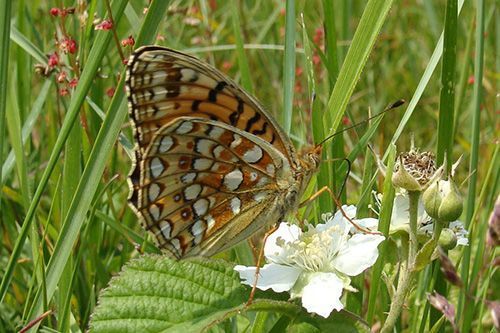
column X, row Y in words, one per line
column 277, row 277
column 367, row 223
column 322, row 294
column 359, row 253
column 284, row 234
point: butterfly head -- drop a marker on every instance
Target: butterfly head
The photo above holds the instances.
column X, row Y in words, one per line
column 310, row 158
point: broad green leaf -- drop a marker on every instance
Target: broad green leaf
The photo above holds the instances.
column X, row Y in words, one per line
column 156, row 294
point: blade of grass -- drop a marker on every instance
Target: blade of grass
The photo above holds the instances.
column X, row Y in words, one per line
column 364, row 38
column 97, row 53
column 288, row 66
column 384, row 224
column 447, row 97
column 27, row 126
column 5, row 7
column 18, row 38
column 465, row 309
column 446, row 120
column 424, row 81
column 94, row 168
column 246, row 81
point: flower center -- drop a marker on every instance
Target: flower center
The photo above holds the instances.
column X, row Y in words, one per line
column 314, row 251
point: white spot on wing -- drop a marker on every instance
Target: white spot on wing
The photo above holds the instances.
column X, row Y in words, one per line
column 184, row 128
column 155, row 212
column 216, row 132
column 235, row 205
column 218, row 150
column 233, row 179
column 253, row 176
column 176, row 244
column 202, row 163
column 156, row 167
column 263, row 181
column 198, row 228
column 270, row 169
column 188, row 75
column 191, row 192
column 204, row 147
column 259, row 196
column 253, row 155
column 236, row 142
column 153, row 191
column 165, row 144
column 188, row 177
column 200, row 207
column 165, row 229
column 210, row 222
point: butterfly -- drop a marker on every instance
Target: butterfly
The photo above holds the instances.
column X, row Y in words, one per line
column 211, row 167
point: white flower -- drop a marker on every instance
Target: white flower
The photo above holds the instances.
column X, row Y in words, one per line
column 401, row 217
column 315, row 265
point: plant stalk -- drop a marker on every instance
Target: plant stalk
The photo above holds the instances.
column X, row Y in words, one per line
column 406, row 273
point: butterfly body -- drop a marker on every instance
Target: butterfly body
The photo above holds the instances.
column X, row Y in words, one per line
column 212, row 167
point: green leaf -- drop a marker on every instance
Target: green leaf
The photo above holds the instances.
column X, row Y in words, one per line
column 154, row 293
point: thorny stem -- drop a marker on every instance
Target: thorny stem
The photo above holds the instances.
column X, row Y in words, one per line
column 409, row 253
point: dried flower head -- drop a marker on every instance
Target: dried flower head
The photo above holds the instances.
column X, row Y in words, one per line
column 414, row 170
column 440, row 303
column 493, row 236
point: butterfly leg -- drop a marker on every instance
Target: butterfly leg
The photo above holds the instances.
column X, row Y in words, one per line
column 259, row 259
column 339, row 205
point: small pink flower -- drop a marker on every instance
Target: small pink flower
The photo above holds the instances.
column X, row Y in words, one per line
column 72, row 84
column 128, row 41
column 68, row 45
column 110, row 92
column 316, row 59
column 63, row 92
column 61, row 77
column 104, row 25
column 55, row 11
column 227, row 65
column 471, row 79
column 318, row 36
column 53, row 60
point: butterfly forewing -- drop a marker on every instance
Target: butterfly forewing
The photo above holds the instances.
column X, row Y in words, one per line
column 165, row 84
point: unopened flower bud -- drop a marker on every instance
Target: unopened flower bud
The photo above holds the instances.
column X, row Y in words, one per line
column 413, row 170
column 447, row 239
column 442, row 201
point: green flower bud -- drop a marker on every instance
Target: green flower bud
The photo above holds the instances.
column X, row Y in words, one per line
column 413, row 170
column 442, row 201
column 447, row 239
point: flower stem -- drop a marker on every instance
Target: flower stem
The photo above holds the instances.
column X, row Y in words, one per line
column 409, row 252
column 414, row 196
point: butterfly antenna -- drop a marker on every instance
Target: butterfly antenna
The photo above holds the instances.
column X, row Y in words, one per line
column 390, row 107
column 345, row 178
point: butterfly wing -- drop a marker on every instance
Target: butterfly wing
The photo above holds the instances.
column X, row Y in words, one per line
column 202, row 180
column 164, row 84
column 209, row 157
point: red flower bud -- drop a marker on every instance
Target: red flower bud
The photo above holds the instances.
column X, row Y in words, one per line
column 55, row 11
column 72, row 84
column 53, row 60
column 104, row 25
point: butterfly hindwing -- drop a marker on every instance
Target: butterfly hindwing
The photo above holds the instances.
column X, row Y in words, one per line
column 197, row 177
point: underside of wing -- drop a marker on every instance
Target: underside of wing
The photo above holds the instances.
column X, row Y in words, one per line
column 202, row 185
column 164, row 84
